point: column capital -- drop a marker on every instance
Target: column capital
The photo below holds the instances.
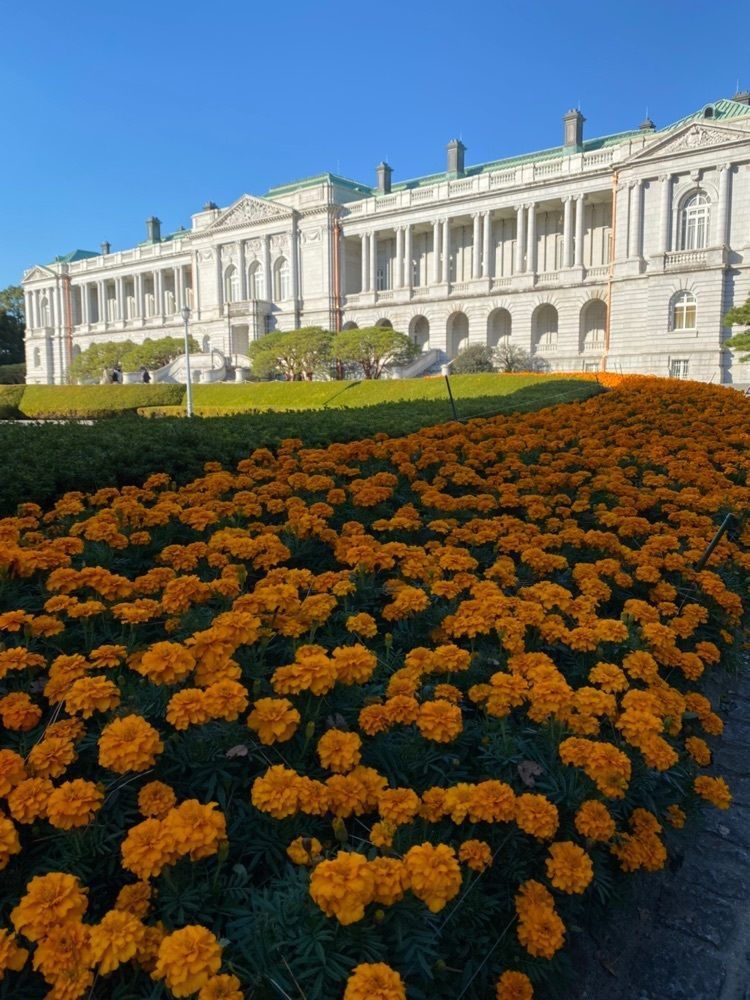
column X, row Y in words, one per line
column 636, row 183
column 568, row 199
column 724, row 167
column 665, row 178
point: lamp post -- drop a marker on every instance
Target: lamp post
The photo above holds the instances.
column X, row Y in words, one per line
column 186, row 317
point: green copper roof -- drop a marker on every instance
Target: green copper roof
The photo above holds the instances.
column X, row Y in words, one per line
column 324, row 178
column 722, row 110
column 74, row 255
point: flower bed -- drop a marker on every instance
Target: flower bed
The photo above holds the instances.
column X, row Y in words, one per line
column 379, row 719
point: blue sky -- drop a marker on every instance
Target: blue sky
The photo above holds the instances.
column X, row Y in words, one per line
column 114, row 112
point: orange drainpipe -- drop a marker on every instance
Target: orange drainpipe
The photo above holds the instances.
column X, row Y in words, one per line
column 610, row 276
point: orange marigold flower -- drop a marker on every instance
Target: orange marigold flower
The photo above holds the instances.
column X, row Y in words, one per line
column 448, row 692
column 354, row 664
column 541, row 931
column 134, row 898
column 609, row 677
column 12, row 771
column 18, row 712
column 569, row 867
column 391, row 880
column 129, row 744
column 374, row 981
column 342, row 888
column 398, row 805
column 64, row 958
column 49, row 900
column 339, row 751
column 275, row 720
column 11, row 956
column 226, row 699
column 439, row 721
column 9, row 842
column 165, row 663
column 477, row 854
column 187, row 708
column 514, row 986
column 536, row 815
column 115, row 939
column 50, row 757
column 698, row 750
column 362, row 624
column 305, row 851
column 156, row 799
column 382, row 834
column 224, row 987
column 713, row 790
column 187, row 959
column 434, row 874
column 675, row 816
column 147, row 849
column 277, row 792
column 195, row 829
column 74, row 803
column 28, row 801
column 374, row 719
column 593, row 820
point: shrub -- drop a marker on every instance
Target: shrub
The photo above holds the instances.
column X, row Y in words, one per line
column 10, row 398
column 473, row 359
column 95, row 401
column 13, row 374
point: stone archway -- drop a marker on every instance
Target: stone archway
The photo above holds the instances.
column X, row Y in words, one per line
column 544, row 328
column 592, row 325
column 457, row 333
column 499, row 326
column 419, row 332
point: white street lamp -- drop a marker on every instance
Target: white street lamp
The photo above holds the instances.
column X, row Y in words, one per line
column 186, row 317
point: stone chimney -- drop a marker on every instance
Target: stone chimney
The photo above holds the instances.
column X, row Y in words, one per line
column 384, row 172
column 153, row 230
column 573, row 131
column 106, row 248
column 455, row 165
column 742, row 97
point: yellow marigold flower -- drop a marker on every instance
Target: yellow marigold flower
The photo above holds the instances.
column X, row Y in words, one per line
column 74, row 803
column 224, row 987
column 433, row 804
column 391, row 880
column 107, row 655
column 276, row 792
column 18, row 712
column 675, row 816
column 434, row 874
column 64, row 958
column 12, row 771
column 313, row 670
column 187, row 960
column 374, row 981
column 187, row 708
column 593, row 820
column 339, row 751
column 514, row 986
column 477, row 854
column 354, row 664
column 156, row 799
column 148, row 952
column 115, row 939
column 698, row 750
column 537, row 816
column 361, row 624
column 382, row 834
column 135, row 899
column 165, row 663
column 713, row 790
column 398, row 806
column 51, row 757
column 275, row 720
column 13, row 621
column 195, row 829
column 312, row 796
column 609, row 677
column 49, row 900
column 226, row 699
column 569, row 867
column 342, row 888
column 11, row 956
column 9, row 842
column 374, row 719
column 492, row 801
column 439, row 721
column 129, row 744
column 147, row 849
column 28, row 801
column 448, row 692
column 305, row 850
column 541, row 931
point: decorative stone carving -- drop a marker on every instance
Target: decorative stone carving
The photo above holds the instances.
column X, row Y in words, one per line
column 247, row 211
column 254, row 246
column 310, row 236
column 205, row 256
column 279, row 241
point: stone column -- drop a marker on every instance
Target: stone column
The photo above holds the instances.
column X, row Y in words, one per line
column 29, row 309
column 119, row 299
column 398, row 279
column 294, row 270
column 84, row 304
column 446, row 251
column 436, row 253
column 723, row 213
column 636, row 194
column 520, row 238
column 408, row 259
column 487, row 245
column 101, row 291
column 242, row 269
column 364, row 269
column 373, row 262
column 195, row 285
column 267, row 268
column 531, row 240
column 140, row 305
column 53, row 306
column 665, row 220
column 568, row 231
column 580, row 209
column 159, row 292
column 179, row 288
column 341, row 243
column 476, row 251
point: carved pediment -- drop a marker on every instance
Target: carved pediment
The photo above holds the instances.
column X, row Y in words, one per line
column 247, row 212
column 691, row 137
column 35, row 273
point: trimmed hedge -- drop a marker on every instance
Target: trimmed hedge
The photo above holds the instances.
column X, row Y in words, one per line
column 13, row 374
column 10, row 399
column 95, row 401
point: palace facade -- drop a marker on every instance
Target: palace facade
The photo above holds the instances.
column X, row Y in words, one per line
column 621, row 253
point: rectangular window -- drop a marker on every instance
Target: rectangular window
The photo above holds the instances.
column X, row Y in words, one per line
column 382, row 278
column 678, row 368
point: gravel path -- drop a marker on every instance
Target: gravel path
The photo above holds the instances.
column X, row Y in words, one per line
column 685, row 934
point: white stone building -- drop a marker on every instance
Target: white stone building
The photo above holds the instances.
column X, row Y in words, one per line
column 620, row 253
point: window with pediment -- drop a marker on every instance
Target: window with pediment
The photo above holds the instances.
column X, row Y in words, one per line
column 694, row 219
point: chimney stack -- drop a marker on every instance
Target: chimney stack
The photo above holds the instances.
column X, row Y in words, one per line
column 455, row 165
column 153, row 230
column 384, row 172
column 106, row 248
column 573, row 131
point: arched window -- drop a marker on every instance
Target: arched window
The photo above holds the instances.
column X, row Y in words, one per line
column 683, row 311
column 593, row 325
column 694, row 219
column 545, row 328
column 419, row 331
column 44, row 311
column 499, row 325
column 458, row 334
column 256, row 285
column 281, row 282
column 232, row 284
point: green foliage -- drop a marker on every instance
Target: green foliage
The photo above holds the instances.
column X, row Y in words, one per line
column 12, row 325
column 513, row 358
column 95, row 401
column 473, row 359
column 373, row 349
column 10, row 398
column 13, row 374
column 120, row 451
column 131, row 356
column 739, row 316
column 298, row 354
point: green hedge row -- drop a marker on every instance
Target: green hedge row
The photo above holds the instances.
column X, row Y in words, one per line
column 128, row 449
